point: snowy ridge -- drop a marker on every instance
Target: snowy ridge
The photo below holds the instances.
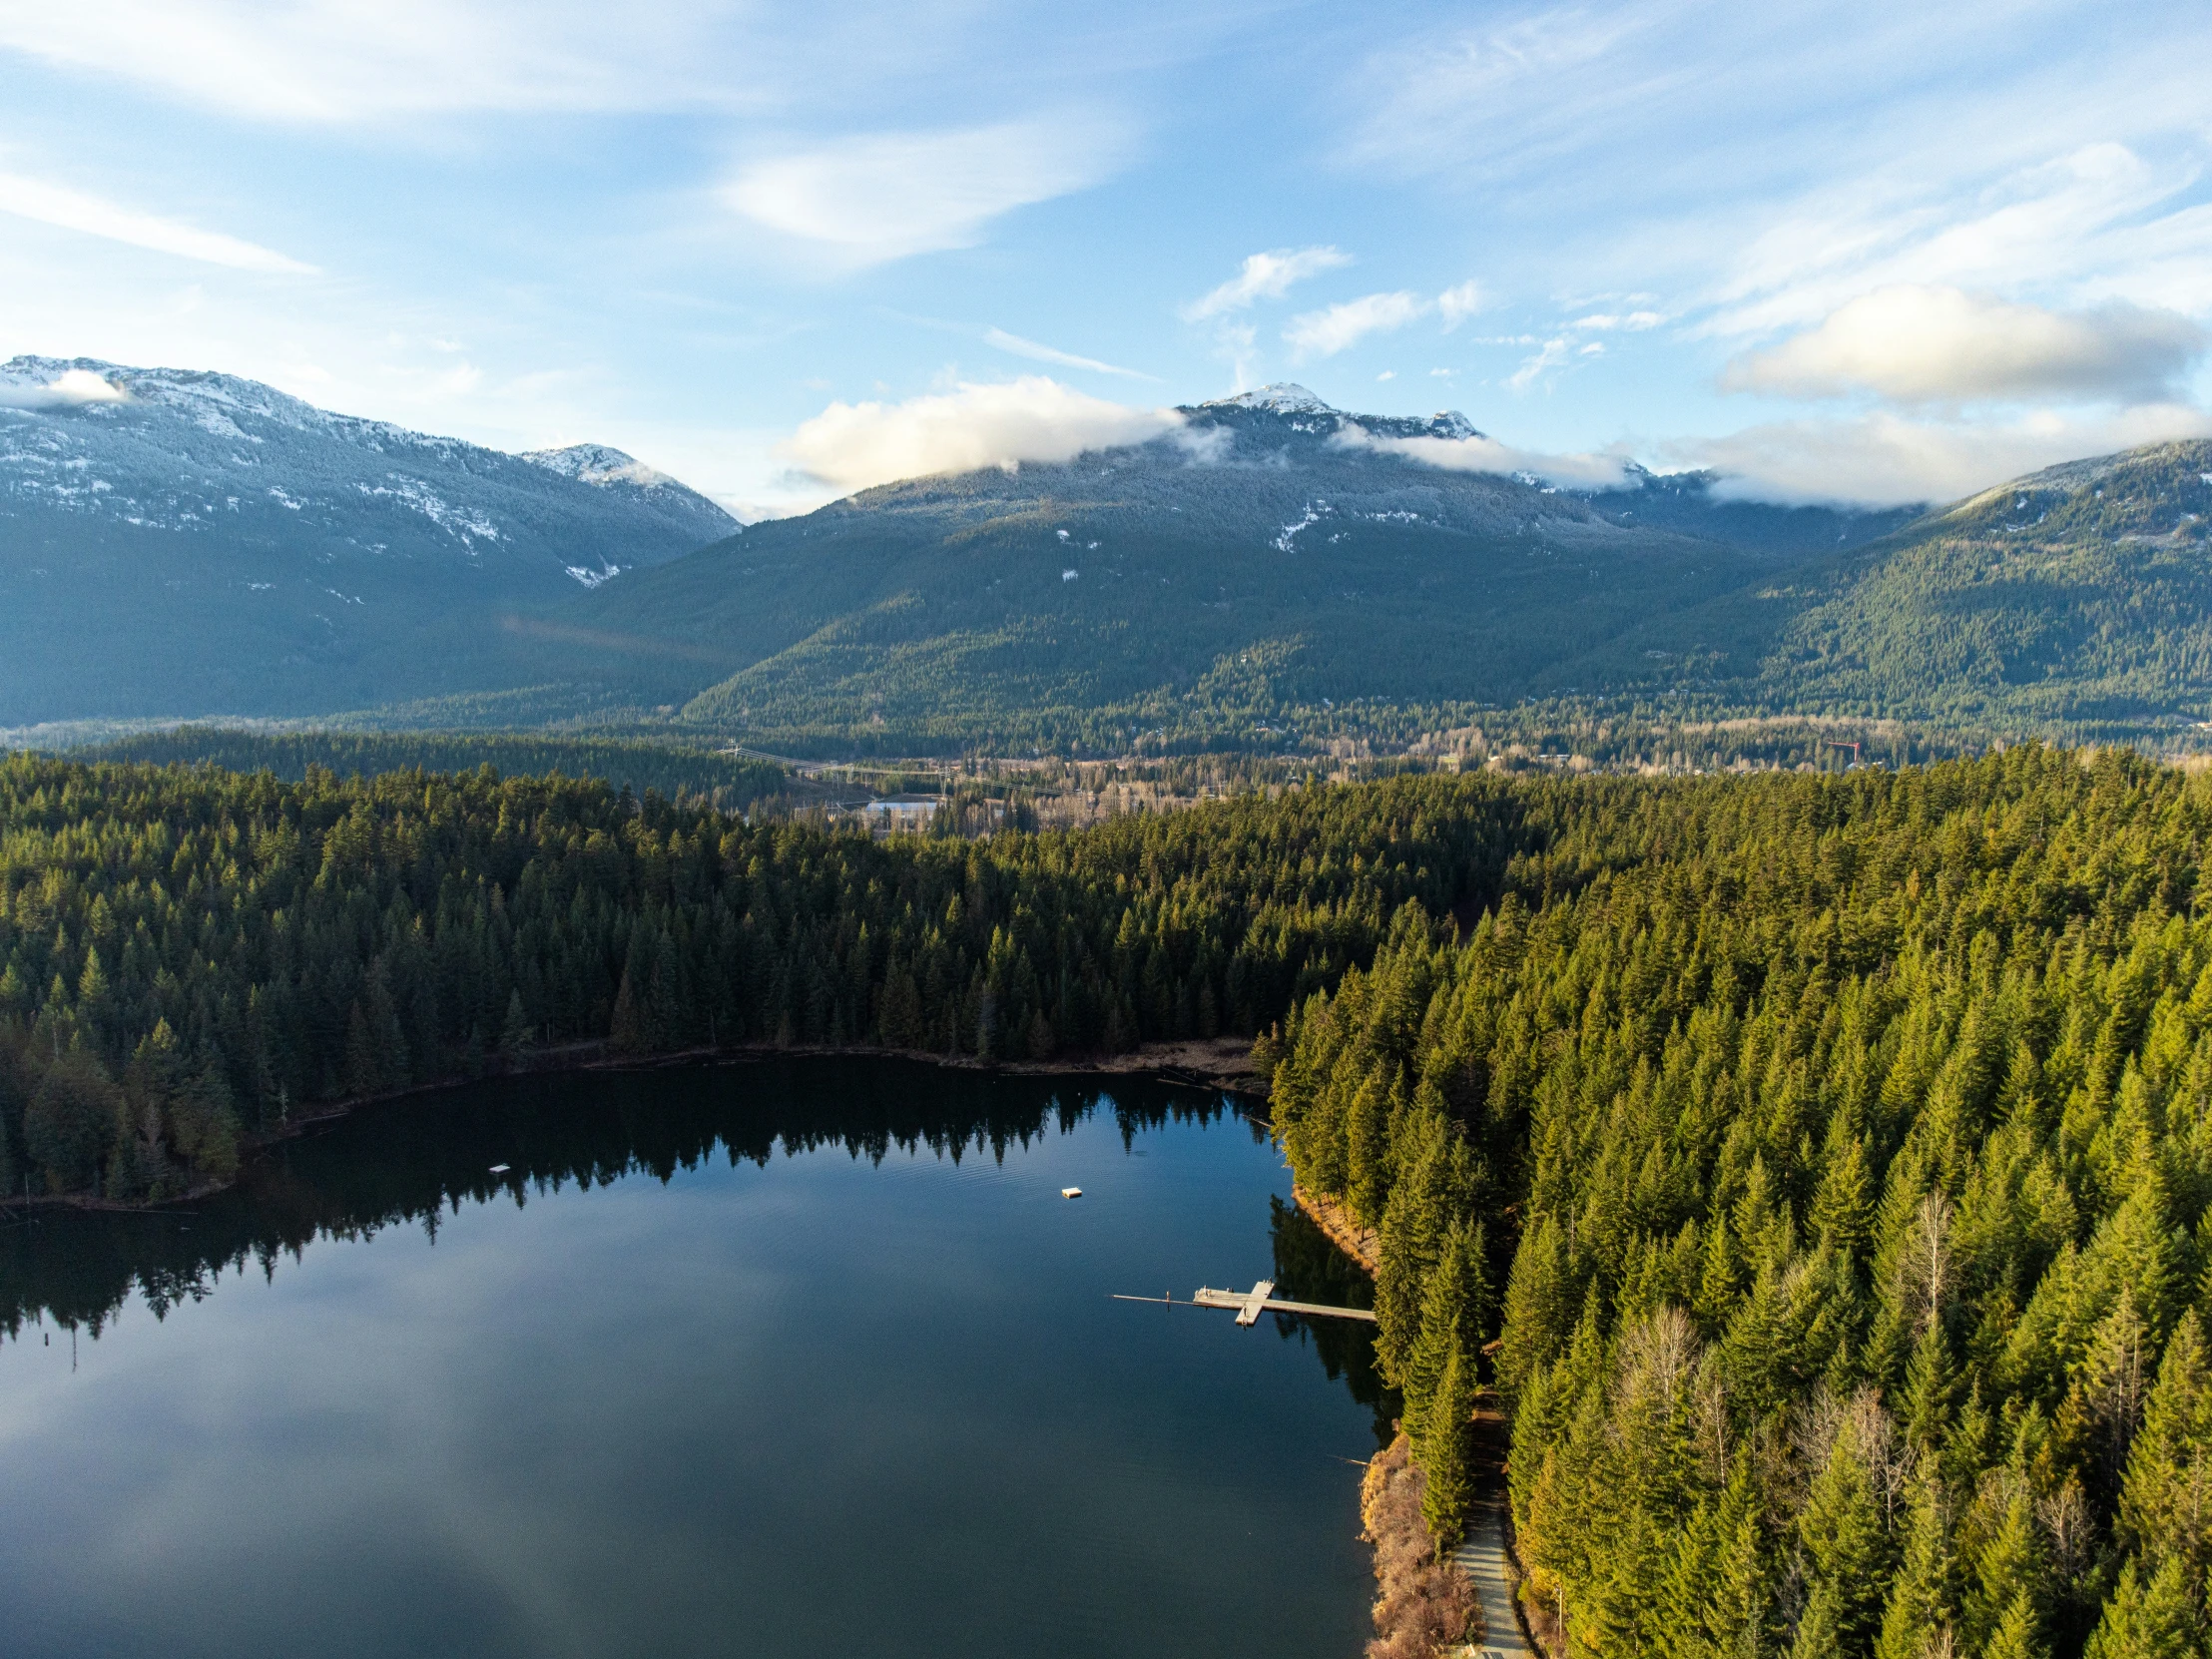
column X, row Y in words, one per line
column 597, row 464
column 186, row 451
column 1281, row 397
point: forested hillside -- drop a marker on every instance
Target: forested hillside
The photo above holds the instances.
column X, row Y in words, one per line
column 1818, row 1165
column 1820, row 1170
column 729, row 781
column 1235, row 573
column 2078, row 598
column 1231, row 594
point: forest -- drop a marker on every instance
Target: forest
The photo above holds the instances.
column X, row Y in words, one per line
column 1817, row 1164
column 188, row 957
column 1818, row 1167
column 735, row 782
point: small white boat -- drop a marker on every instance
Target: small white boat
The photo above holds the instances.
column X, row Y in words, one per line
column 1071, row 1192
column 500, row 1169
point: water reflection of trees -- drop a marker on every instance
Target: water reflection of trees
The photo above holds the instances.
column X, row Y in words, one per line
column 414, row 1162
column 1308, row 1268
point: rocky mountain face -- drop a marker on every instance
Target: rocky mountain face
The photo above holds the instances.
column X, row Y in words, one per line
column 180, row 541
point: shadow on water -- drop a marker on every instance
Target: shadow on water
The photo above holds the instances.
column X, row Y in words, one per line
column 415, row 1161
column 1308, row 1268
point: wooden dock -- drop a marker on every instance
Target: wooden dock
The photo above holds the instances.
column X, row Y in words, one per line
column 1260, row 1299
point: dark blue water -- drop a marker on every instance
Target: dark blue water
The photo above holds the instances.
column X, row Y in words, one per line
column 776, row 1360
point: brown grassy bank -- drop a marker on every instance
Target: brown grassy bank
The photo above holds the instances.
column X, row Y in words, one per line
column 1422, row 1602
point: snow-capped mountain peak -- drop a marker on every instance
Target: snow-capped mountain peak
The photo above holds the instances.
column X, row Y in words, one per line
column 597, row 464
column 278, row 550
column 186, row 450
column 1281, row 397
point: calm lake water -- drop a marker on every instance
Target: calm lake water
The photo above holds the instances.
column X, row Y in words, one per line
column 806, row 1359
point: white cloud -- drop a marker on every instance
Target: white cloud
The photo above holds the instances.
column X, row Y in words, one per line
column 884, row 195
column 331, row 61
column 1887, row 459
column 2086, row 214
column 1483, row 455
column 75, row 210
column 1487, row 95
column 851, row 446
column 1323, row 333
column 71, row 389
column 1922, row 345
column 1631, row 321
column 1459, row 303
column 1037, row 352
column 1263, row 276
column 1549, row 355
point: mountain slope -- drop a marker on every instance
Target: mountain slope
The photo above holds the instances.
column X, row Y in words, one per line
column 2076, row 598
column 1272, row 554
column 179, row 541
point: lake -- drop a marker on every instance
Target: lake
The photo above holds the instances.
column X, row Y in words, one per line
column 795, row 1357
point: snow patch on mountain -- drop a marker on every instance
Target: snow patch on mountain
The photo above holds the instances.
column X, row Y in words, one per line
column 597, row 464
column 185, row 449
column 1281, row 398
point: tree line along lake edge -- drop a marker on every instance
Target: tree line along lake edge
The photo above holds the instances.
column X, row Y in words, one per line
column 1818, row 1166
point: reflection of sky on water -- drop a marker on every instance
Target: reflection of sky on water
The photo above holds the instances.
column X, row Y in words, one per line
column 822, row 1406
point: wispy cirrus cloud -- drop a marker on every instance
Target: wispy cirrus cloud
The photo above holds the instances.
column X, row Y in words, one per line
column 1016, row 345
column 326, row 62
column 1339, row 328
column 1263, row 276
column 2095, row 222
column 879, row 197
column 74, row 210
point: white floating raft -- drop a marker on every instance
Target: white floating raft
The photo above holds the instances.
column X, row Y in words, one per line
column 1071, row 1192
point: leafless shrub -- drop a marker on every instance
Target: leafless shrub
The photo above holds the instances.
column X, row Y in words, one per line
column 1422, row 1602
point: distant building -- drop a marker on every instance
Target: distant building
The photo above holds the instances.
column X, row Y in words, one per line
column 903, row 811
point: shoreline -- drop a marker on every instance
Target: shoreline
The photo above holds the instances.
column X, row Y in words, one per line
column 1223, row 1063
column 1360, row 1244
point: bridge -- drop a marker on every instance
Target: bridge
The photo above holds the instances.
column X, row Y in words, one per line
column 1260, row 1299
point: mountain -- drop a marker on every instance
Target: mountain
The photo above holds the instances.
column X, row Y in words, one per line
column 175, row 541
column 1270, row 555
column 2077, row 600
column 1274, row 571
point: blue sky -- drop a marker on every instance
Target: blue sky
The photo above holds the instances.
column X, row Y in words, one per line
column 1864, row 251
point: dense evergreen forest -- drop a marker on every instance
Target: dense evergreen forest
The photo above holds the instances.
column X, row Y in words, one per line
column 735, row 782
column 1818, row 1168
column 188, row 956
column 1817, row 1164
